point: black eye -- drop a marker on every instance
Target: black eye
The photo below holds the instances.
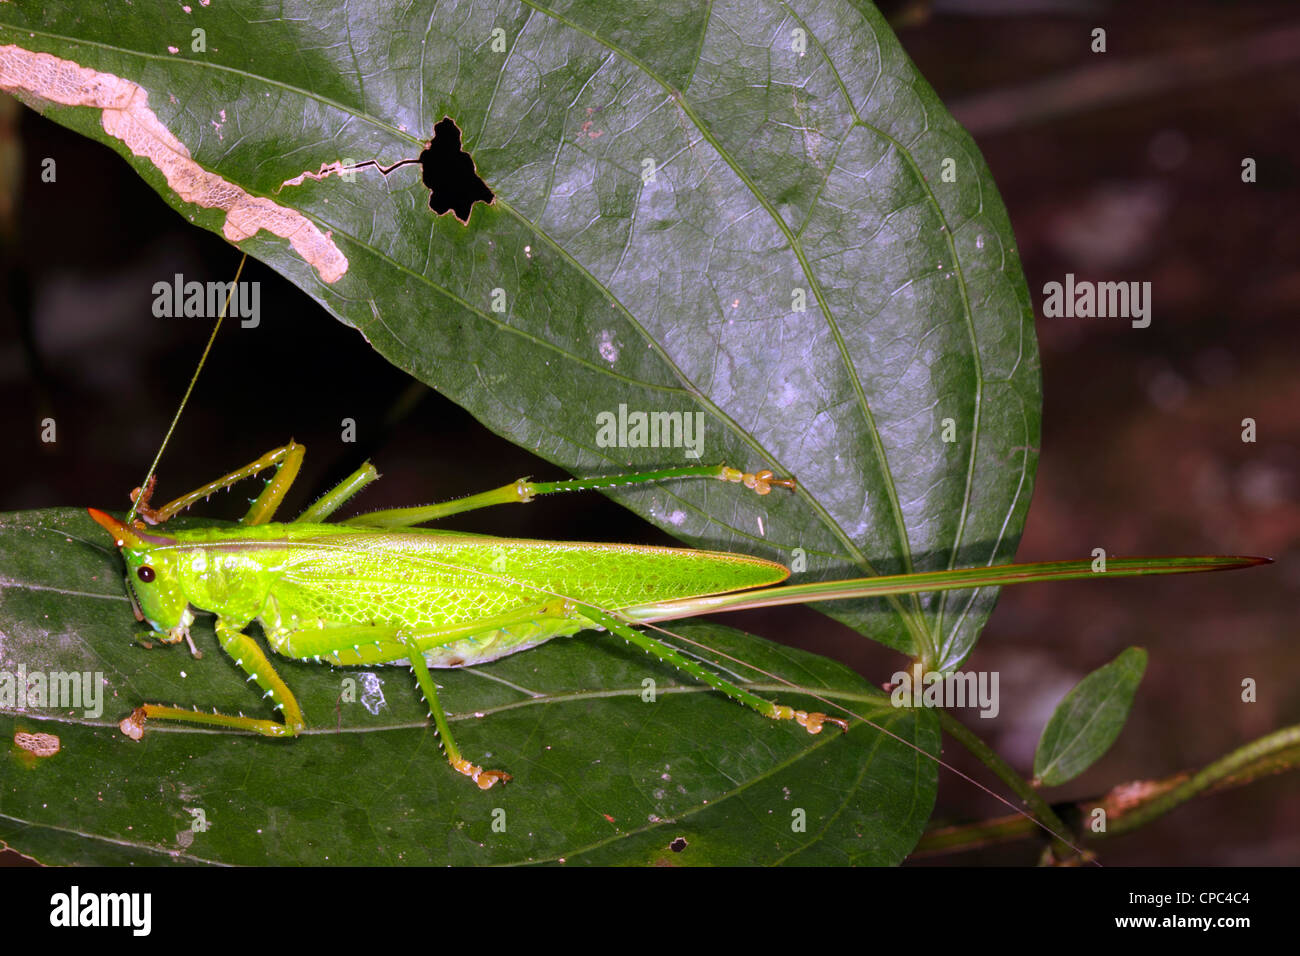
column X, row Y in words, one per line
column 145, row 573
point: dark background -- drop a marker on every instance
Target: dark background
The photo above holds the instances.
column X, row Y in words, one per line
column 1119, row 166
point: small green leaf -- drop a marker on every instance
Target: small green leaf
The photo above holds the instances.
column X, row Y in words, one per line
column 1089, row 718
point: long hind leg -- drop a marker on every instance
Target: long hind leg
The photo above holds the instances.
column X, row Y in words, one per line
column 810, row 721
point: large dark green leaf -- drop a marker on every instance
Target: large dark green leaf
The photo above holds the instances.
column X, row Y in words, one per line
column 904, row 396
column 797, row 154
column 601, row 775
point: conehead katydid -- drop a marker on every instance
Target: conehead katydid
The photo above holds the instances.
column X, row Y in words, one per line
column 376, row 590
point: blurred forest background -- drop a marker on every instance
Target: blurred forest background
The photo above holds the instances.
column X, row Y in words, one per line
column 1117, row 166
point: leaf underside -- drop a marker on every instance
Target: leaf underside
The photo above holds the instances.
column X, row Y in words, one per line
column 778, row 177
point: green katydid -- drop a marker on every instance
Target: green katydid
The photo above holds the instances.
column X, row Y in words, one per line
column 377, row 590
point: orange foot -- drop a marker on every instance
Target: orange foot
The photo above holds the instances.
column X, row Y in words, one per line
column 812, row 722
column 133, row 726
column 484, row 778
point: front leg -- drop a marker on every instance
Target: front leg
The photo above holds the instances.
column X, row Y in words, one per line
column 286, row 460
column 248, row 656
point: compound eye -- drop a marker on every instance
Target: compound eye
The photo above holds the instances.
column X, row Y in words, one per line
column 145, row 573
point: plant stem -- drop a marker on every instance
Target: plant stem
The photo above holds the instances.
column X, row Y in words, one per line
column 1275, row 753
column 1235, row 763
column 1041, row 810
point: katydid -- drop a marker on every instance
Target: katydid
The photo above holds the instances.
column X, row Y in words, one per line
column 375, row 590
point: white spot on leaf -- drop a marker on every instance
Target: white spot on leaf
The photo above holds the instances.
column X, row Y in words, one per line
column 608, row 349
column 372, row 693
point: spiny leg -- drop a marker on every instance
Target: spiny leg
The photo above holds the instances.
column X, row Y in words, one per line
column 484, row 778
column 286, row 459
column 810, row 721
column 253, row 661
column 524, row 491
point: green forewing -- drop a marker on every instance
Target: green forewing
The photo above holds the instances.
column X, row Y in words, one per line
column 611, row 576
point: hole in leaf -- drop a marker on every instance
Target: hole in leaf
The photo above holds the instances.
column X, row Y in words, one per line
column 448, row 171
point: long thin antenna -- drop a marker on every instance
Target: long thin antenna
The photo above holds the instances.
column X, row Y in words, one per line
column 143, row 490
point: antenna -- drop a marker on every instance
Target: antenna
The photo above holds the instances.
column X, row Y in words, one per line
column 143, row 490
